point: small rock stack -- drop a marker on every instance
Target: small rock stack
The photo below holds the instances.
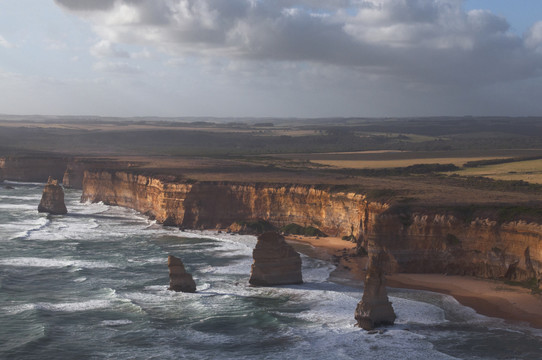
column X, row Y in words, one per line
column 275, row 262
column 375, row 309
column 179, row 279
column 52, row 199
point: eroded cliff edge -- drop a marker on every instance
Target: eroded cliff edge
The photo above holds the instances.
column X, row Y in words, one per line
column 491, row 241
column 430, row 239
column 204, row 205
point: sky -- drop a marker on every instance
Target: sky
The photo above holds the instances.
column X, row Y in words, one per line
column 263, row 58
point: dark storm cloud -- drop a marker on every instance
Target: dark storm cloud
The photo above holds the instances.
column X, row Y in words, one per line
column 85, row 5
column 426, row 41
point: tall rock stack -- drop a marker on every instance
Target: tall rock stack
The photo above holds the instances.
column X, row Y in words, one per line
column 275, row 262
column 179, row 279
column 375, row 309
column 52, row 199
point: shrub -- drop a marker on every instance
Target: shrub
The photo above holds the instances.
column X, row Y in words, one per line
column 258, row 226
column 452, row 240
column 350, row 238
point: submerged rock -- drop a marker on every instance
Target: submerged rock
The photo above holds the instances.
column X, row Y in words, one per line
column 52, row 199
column 179, row 279
column 275, row 262
column 375, row 309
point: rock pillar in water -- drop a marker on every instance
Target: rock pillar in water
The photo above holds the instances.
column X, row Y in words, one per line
column 375, row 309
column 275, row 262
column 179, row 279
column 52, row 199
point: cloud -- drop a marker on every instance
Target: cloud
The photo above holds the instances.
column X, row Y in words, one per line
column 533, row 39
column 117, row 67
column 419, row 41
column 85, row 5
column 105, row 48
column 5, row 43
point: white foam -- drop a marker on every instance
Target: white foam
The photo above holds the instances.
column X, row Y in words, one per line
column 29, row 198
column 54, row 263
column 116, row 322
column 11, row 182
column 35, row 225
column 12, row 207
column 242, row 241
column 61, row 307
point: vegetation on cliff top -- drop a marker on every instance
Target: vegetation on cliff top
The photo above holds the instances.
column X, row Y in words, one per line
column 467, row 213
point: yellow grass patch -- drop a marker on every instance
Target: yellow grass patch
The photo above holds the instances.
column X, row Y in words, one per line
column 530, row 171
column 379, row 164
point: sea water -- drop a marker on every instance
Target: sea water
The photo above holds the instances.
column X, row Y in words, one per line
column 92, row 284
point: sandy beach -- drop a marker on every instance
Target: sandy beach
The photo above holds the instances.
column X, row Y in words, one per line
column 487, row 297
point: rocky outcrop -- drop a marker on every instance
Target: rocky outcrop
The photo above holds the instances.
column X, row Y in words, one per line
column 179, row 279
column 275, row 262
column 375, row 309
column 52, row 199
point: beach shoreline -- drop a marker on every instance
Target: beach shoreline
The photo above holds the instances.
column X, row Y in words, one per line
column 487, row 297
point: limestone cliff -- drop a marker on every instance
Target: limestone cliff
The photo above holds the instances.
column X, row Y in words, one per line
column 218, row 205
column 32, row 168
column 428, row 240
column 422, row 241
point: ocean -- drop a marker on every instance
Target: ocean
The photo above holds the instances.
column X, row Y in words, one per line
column 93, row 285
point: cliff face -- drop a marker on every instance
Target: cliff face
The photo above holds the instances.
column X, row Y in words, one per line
column 425, row 240
column 32, row 169
column 441, row 243
column 218, row 205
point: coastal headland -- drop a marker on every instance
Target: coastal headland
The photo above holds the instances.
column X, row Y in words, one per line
column 441, row 231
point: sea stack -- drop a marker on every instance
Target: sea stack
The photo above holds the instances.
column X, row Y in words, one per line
column 179, row 279
column 275, row 262
column 52, row 199
column 375, row 309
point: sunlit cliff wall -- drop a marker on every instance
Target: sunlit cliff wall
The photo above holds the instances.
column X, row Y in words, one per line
column 429, row 242
column 425, row 239
column 219, row 204
column 418, row 241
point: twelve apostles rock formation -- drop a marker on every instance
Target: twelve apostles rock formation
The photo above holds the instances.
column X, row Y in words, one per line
column 275, row 262
column 456, row 240
column 52, row 199
column 375, row 309
column 485, row 241
column 179, row 279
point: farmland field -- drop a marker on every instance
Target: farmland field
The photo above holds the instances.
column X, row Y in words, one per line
column 530, row 171
column 381, row 164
